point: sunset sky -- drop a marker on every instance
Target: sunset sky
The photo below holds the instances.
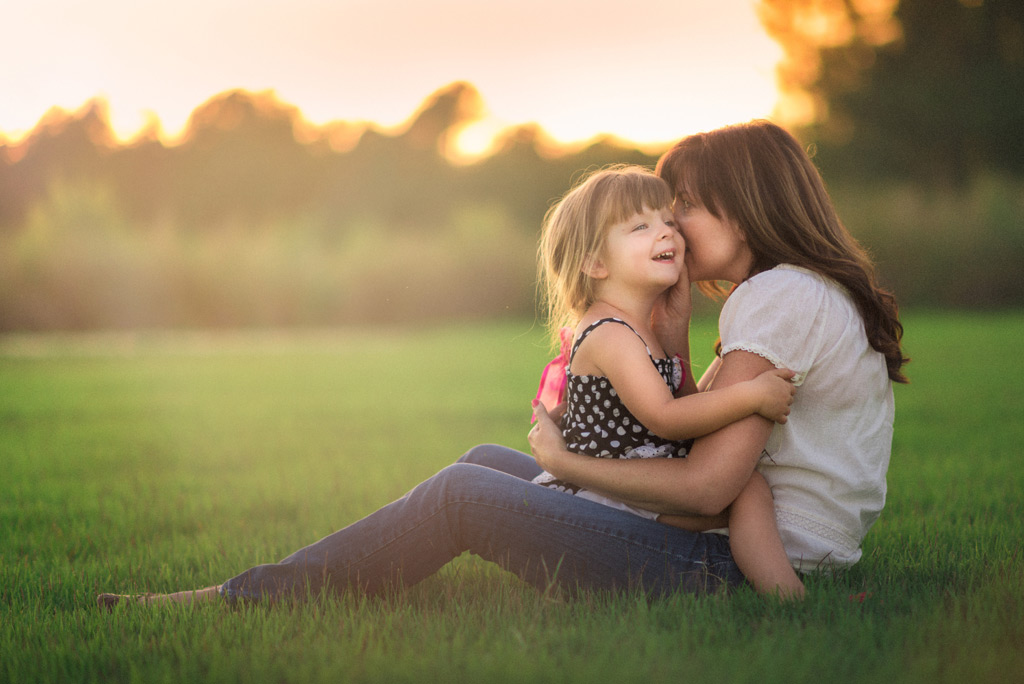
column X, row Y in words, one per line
column 647, row 71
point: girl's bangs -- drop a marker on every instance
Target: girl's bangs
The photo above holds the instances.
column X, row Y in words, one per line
column 630, row 194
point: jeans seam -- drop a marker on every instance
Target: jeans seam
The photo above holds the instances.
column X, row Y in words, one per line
column 576, row 525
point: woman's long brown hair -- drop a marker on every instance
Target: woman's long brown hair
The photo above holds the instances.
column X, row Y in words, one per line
column 757, row 175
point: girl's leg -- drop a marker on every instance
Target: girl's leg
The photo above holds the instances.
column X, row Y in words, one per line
column 755, row 542
column 544, row 536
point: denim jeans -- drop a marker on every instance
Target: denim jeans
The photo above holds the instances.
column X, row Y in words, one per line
column 486, row 504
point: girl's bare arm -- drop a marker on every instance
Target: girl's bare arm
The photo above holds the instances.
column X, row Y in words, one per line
column 704, row 483
column 618, row 354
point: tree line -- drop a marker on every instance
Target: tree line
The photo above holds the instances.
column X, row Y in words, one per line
column 256, row 217
column 247, row 157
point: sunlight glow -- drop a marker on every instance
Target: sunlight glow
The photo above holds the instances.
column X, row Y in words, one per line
column 648, row 73
column 476, row 140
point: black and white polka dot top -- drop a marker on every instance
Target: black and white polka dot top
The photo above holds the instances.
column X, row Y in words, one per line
column 597, row 423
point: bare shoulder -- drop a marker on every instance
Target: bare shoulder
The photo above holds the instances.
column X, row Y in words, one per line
column 605, row 346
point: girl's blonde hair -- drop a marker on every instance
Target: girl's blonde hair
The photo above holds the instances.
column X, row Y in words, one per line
column 575, row 230
column 759, row 176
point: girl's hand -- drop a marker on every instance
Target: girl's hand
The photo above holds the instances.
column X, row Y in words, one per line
column 545, row 437
column 775, row 393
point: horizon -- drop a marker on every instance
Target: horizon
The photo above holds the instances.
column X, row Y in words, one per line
column 340, row 135
column 577, row 70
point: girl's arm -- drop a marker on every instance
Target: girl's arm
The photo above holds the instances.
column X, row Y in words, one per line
column 617, row 353
column 709, row 375
column 704, row 483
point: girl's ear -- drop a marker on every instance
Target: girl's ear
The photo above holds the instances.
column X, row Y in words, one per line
column 595, row 268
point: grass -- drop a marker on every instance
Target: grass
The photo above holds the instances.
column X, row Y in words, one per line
column 167, row 461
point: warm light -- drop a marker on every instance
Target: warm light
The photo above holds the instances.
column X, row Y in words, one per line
column 578, row 68
column 476, row 140
column 796, row 108
column 826, row 25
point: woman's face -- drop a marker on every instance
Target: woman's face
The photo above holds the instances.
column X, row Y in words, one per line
column 715, row 248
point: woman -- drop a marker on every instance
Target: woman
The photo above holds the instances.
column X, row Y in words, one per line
column 753, row 211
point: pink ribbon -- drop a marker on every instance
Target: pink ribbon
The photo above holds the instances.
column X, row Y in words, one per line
column 551, row 391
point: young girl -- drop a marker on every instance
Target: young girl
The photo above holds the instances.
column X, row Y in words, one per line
column 609, row 250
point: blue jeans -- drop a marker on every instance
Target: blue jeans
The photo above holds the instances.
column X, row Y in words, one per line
column 486, row 504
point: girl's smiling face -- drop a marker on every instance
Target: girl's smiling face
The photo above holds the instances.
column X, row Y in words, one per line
column 645, row 250
column 715, row 247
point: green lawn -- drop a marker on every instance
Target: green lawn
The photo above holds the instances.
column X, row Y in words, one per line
column 169, row 461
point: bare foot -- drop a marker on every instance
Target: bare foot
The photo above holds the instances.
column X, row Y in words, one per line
column 108, row 601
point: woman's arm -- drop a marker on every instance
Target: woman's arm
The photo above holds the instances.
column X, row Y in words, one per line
column 704, row 483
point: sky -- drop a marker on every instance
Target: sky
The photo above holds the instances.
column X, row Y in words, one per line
column 648, row 71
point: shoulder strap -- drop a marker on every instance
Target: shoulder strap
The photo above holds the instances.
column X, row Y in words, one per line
column 593, row 326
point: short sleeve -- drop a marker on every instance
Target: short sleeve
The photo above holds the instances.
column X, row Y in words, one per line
column 777, row 315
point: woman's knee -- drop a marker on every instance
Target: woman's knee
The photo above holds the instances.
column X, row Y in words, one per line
column 503, row 459
column 483, row 454
column 462, row 482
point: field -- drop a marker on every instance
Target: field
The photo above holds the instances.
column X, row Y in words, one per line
column 164, row 461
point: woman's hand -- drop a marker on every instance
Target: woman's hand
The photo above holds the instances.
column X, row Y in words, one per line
column 546, row 441
column 670, row 319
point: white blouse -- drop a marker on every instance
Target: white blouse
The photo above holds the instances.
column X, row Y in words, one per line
column 826, row 466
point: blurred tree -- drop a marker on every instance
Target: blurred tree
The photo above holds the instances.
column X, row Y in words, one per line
column 528, row 171
column 404, row 179
column 931, row 90
column 442, row 115
column 241, row 160
column 64, row 146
